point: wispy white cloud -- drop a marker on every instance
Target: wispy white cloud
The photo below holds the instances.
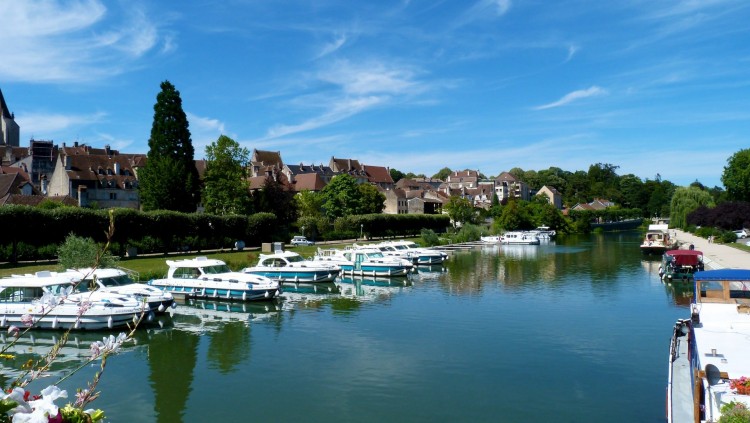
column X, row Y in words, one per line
column 593, row 91
column 572, row 50
column 45, row 125
column 54, row 41
column 352, row 89
column 204, row 131
column 483, row 9
column 332, row 46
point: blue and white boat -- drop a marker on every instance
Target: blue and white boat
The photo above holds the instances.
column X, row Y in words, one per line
column 118, row 281
column 46, row 300
column 364, row 261
column 202, row 277
column 288, row 266
column 708, row 354
column 419, row 255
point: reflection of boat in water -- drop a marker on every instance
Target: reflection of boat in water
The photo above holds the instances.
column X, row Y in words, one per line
column 520, row 251
column 290, row 288
column 709, row 349
column 368, row 287
column 34, row 346
column 198, row 315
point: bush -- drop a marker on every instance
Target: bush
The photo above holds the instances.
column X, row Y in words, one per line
column 430, row 238
column 727, row 237
column 78, row 252
column 734, row 412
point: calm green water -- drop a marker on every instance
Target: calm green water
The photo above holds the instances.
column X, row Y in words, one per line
column 573, row 331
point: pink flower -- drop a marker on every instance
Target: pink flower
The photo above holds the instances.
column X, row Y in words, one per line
column 13, row 330
column 27, row 320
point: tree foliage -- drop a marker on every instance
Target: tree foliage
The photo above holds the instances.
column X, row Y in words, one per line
column 78, row 252
column 276, row 198
column 169, row 181
column 460, row 210
column 225, row 189
column 370, row 200
column 736, row 176
column 341, row 197
column 684, row 201
column 442, row 174
column 396, row 175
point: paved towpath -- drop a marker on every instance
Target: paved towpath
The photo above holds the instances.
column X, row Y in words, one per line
column 715, row 256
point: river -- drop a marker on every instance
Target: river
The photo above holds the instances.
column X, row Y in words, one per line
column 576, row 330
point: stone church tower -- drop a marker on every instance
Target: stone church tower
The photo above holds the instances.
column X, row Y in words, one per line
column 10, row 132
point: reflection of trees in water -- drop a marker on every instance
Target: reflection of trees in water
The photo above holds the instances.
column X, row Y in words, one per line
column 172, row 359
column 595, row 259
column 229, row 346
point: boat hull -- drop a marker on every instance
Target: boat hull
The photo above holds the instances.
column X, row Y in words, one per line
column 374, row 270
column 216, row 292
column 71, row 320
column 308, row 276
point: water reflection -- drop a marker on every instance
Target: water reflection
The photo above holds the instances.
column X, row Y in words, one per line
column 34, row 346
column 370, row 289
column 201, row 316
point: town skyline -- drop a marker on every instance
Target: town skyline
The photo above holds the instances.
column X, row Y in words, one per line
column 488, row 86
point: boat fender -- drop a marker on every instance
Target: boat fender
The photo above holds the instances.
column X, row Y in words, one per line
column 54, row 323
column 150, row 316
column 109, row 322
column 244, row 296
column 161, row 308
column 267, row 294
column 174, row 304
column 3, row 321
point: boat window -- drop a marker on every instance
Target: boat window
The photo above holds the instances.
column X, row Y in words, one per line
column 186, row 273
column 216, row 269
column 267, row 262
column 295, row 259
column 739, row 289
column 375, row 254
column 85, row 285
column 711, row 289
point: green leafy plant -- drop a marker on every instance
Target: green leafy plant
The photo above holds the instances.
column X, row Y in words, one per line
column 734, row 412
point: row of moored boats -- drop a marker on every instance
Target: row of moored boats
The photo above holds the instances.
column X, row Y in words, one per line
column 91, row 299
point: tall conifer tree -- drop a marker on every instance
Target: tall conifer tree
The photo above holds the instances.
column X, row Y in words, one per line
column 169, row 181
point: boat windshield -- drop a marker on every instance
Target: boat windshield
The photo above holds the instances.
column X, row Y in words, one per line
column 295, row 259
column 401, row 247
column 412, row 245
column 115, row 280
column 374, row 254
column 215, row 270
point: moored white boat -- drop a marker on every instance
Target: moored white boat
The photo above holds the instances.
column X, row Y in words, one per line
column 520, row 238
column 288, row 266
column 365, row 262
column 709, row 350
column 491, row 239
column 45, row 300
column 419, row 255
column 202, row 277
column 117, row 281
column 657, row 240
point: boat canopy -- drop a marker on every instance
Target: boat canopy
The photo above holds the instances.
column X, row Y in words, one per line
column 685, row 257
column 723, row 275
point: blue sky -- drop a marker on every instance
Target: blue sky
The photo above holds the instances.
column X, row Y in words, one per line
column 652, row 86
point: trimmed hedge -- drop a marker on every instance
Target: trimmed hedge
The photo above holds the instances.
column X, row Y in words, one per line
column 385, row 225
column 34, row 230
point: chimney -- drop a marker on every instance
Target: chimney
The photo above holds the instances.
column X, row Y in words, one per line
column 107, row 150
column 75, row 144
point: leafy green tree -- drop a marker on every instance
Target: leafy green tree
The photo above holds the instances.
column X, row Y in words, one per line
column 396, row 175
column 225, row 189
column 460, row 210
column 78, row 252
column 515, row 215
column 169, row 181
column 684, row 201
column 276, row 198
column 341, row 197
column 442, row 174
column 370, row 199
column 309, row 203
column 736, row 176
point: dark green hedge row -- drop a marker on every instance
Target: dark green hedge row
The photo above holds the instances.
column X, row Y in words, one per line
column 157, row 231
column 384, row 225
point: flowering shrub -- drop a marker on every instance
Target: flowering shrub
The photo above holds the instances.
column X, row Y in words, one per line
column 734, row 412
column 741, row 385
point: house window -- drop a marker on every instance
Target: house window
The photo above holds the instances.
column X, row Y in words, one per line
column 113, row 196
